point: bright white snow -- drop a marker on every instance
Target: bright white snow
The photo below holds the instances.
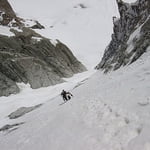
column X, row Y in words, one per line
column 86, row 31
column 30, row 97
column 5, row 31
column 107, row 112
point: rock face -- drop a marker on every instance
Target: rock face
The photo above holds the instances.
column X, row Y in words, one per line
column 7, row 86
column 5, row 7
column 7, row 14
column 131, row 36
column 22, row 111
column 30, row 58
column 9, row 128
column 37, row 26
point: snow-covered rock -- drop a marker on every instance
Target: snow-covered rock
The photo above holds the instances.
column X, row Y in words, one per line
column 25, row 58
column 131, row 35
column 7, row 14
column 7, row 86
column 104, row 113
column 22, row 111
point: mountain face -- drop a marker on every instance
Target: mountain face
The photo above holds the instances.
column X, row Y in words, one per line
column 7, row 9
column 7, row 14
column 131, row 37
column 29, row 57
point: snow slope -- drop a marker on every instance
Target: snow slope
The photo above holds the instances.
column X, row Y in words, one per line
column 107, row 112
column 5, row 31
column 86, row 31
column 30, row 97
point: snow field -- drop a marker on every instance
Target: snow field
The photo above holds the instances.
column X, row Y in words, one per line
column 107, row 112
column 86, row 31
column 30, row 97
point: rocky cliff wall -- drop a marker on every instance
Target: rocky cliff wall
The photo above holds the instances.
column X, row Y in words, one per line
column 29, row 57
column 131, row 36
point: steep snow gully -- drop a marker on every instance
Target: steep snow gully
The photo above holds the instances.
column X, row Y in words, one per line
column 107, row 112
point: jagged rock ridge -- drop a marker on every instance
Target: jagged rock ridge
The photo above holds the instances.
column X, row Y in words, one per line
column 29, row 57
column 131, row 36
column 7, row 14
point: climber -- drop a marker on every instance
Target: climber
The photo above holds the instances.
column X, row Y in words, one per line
column 66, row 95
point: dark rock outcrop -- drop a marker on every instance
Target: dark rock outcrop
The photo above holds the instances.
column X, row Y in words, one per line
column 22, row 111
column 30, row 58
column 131, row 35
column 6, row 7
column 7, row 86
column 8, row 15
column 39, row 63
column 37, row 26
column 11, row 127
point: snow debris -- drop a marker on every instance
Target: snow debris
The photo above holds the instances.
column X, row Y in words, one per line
column 54, row 42
column 1, row 15
column 5, row 31
column 38, row 39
